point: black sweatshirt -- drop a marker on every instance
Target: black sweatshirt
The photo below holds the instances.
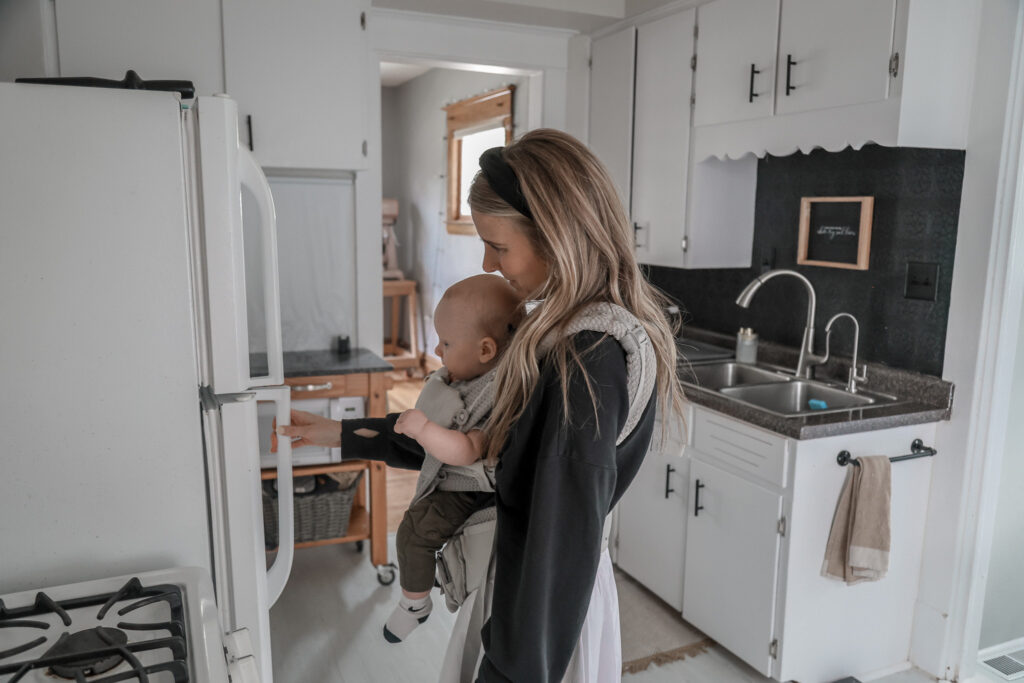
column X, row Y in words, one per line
column 556, row 483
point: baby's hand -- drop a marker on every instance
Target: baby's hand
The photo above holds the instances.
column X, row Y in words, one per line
column 411, row 422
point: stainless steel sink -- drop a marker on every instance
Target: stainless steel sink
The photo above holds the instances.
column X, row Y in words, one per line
column 720, row 375
column 794, row 398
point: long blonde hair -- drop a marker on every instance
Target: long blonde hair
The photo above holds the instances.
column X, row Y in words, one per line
column 581, row 230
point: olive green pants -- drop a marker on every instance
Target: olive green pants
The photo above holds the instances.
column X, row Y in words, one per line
column 426, row 526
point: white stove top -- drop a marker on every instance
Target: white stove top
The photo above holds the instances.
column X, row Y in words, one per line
column 153, row 627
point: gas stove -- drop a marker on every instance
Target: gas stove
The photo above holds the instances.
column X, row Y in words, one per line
column 153, row 627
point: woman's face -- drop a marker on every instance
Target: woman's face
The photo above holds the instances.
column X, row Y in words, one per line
column 508, row 250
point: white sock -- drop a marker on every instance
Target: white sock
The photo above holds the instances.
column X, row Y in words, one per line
column 407, row 615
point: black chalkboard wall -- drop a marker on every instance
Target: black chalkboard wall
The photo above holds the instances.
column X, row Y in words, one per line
column 917, row 205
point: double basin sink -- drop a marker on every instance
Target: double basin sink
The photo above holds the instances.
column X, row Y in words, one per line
column 778, row 392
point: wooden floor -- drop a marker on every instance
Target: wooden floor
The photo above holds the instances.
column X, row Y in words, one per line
column 401, row 483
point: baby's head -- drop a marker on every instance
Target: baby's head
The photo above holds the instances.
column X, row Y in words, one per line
column 474, row 321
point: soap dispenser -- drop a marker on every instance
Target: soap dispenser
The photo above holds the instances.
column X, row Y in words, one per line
column 746, row 345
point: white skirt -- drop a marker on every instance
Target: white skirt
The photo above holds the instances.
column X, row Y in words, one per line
column 598, row 654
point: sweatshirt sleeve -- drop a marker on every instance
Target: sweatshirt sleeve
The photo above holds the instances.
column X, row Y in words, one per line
column 559, row 484
column 397, row 450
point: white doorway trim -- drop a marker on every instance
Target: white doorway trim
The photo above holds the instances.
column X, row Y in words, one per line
column 1000, row 323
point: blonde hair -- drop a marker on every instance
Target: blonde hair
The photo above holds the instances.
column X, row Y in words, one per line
column 581, row 230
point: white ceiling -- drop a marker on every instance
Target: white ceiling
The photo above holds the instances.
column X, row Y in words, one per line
column 393, row 74
column 583, row 16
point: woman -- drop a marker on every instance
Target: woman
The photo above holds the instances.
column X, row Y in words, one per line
column 553, row 226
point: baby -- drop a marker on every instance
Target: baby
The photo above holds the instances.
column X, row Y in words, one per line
column 474, row 321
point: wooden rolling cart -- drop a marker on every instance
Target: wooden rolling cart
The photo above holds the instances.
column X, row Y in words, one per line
column 369, row 517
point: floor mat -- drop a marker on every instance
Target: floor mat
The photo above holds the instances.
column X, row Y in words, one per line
column 652, row 632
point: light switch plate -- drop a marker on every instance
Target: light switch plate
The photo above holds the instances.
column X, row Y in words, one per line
column 922, row 281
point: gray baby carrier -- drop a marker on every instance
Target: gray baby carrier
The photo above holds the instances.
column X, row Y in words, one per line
column 464, row 564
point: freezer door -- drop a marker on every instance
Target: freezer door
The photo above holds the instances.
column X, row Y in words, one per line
column 221, row 170
column 246, row 588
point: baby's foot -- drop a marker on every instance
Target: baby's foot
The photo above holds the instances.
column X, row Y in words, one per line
column 408, row 614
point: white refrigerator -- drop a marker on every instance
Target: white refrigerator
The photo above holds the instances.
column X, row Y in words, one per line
column 129, row 436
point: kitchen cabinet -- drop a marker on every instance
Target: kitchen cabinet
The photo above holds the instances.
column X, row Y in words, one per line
column 833, row 53
column 652, row 518
column 760, row 512
column 795, row 75
column 298, row 80
column 611, row 105
column 736, row 55
column 106, row 38
column 685, row 214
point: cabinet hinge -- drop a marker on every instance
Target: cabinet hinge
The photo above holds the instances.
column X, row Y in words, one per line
column 362, row 20
column 364, row 148
column 894, row 64
column 773, row 649
column 693, row 63
column 590, row 62
column 782, row 526
column 696, row 30
column 684, row 244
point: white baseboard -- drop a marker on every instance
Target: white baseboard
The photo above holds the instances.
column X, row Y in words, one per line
column 1001, row 649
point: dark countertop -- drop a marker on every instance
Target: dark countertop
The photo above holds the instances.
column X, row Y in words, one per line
column 312, row 363
column 923, row 398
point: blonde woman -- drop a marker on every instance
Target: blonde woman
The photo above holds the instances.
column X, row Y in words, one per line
column 571, row 421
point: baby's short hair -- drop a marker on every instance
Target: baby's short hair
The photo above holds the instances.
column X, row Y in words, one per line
column 492, row 303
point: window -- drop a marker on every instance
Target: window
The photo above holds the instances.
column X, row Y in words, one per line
column 473, row 125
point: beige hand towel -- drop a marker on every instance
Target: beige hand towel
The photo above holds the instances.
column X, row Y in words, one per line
column 858, row 545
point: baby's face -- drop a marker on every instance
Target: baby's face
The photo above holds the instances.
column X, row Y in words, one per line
column 459, row 344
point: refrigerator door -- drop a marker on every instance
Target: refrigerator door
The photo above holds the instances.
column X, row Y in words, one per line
column 245, row 587
column 103, row 470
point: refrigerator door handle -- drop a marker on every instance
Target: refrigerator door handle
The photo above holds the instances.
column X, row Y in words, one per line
column 251, row 175
column 277, row 574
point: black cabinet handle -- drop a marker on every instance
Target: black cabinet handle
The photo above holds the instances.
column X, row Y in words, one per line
column 753, row 72
column 697, row 507
column 668, row 472
column 248, row 124
column 789, row 74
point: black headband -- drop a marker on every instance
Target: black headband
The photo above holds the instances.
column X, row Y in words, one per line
column 503, row 180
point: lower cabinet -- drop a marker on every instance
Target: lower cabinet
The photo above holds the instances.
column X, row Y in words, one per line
column 734, row 536
column 732, row 562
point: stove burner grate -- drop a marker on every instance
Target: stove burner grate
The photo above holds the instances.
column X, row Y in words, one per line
column 95, row 651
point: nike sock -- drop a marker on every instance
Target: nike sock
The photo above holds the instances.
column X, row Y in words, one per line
column 407, row 615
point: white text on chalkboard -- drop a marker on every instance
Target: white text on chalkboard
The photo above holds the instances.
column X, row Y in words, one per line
column 834, row 231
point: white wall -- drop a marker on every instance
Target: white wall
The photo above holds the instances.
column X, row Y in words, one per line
column 27, row 43
column 1004, row 595
column 415, row 144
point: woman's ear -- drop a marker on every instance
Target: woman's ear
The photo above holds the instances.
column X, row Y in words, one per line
column 488, row 349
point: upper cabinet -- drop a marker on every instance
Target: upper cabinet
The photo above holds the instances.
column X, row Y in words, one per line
column 736, row 67
column 298, row 78
column 158, row 40
column 611, row 105
column 780, row 76
column 834, row 53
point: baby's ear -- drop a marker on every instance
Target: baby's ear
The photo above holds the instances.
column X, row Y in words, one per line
column 488, row 349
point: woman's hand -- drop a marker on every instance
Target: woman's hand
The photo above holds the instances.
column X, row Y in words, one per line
column 411, row 422
column 308, row 430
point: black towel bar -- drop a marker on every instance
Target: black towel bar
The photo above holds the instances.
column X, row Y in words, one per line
column 917, row 450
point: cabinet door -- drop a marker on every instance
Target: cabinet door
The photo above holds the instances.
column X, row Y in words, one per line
column 159, row 40
column 652, row 521
column 835, row 53
column 661, row 134
column 299, row 75
column 736, row 52
column 611, row 105
column 732, row 559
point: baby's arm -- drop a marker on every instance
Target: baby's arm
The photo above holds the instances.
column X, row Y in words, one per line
column 450, row 446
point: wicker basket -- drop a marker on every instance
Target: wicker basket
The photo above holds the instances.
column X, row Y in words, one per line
column 319, row 515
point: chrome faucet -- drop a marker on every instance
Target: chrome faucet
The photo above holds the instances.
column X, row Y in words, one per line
column 853, row 378
column 807, row 358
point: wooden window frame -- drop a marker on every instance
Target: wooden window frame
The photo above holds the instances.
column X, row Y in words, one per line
column 474, row 112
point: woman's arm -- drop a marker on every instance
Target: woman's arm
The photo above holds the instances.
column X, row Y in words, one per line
column 450, row 446
column 371, row 438
column 554, row 492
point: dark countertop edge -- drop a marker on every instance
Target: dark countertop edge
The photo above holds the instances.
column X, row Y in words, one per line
column 832, row 424
column 325, row 362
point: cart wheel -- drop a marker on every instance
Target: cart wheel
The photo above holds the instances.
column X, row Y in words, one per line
column 359, row 546
column 386, row 574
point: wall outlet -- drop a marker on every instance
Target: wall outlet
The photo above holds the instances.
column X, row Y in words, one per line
column 922, row 281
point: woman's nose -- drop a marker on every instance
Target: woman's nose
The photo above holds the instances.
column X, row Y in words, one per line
column 490, row 263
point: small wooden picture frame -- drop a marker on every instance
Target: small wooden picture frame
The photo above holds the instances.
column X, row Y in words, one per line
column 835, row 232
